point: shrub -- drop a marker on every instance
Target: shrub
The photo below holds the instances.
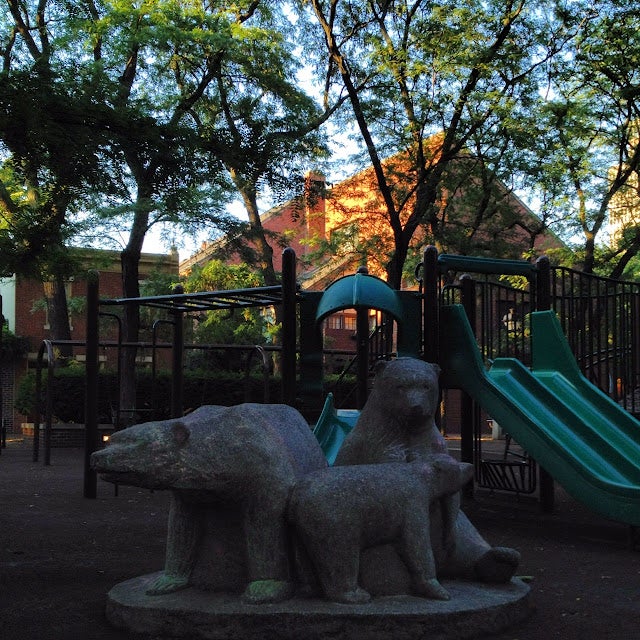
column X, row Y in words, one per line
column 154, row 397
column 13, row 346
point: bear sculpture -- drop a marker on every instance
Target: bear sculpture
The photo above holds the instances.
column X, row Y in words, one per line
column 397, row 423
column 244, row 459
column 339, row 511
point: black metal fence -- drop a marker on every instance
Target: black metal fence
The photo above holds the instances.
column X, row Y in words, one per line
column 601, row 319
column 599, row 316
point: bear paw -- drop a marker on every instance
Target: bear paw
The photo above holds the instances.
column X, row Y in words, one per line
column 497, row 565
column 355, row 596
column 167, row 584
column 265, row 591
column 432, row 589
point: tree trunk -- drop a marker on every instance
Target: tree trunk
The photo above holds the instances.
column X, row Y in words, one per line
column 130, row 262
column 58, row 312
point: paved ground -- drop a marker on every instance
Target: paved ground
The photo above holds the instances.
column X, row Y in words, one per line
column 60, row 553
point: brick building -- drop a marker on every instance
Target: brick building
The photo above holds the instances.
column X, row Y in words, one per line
column 25, row 314
column 350, row 216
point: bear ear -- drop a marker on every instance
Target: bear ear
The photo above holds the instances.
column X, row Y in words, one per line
column 180, row 432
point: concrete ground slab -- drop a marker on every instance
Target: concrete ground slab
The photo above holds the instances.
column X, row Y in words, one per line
column 475, row 610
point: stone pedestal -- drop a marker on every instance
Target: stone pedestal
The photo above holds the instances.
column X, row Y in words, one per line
column 475, row 610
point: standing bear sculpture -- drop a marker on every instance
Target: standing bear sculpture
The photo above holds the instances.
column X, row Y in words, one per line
column 340, row 511
column 242, row 460
column 397, row 424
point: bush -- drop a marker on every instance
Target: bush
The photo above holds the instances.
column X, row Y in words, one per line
column 13, row 346
column 154, row 397
column 68, row 394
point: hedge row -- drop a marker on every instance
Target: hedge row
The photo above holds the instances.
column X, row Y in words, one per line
column 153, row 397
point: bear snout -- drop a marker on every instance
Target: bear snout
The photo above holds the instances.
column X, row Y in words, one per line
column 416, row 413
column 110, row 460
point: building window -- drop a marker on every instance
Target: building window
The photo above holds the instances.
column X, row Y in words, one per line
column 350, row 323
column 334, row 322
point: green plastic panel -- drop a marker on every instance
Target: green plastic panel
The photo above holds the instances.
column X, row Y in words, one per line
column 589, row 444
column 359, row 291
column 333, row 427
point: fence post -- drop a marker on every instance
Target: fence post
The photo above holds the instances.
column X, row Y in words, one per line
column 543, row 284
column 362, row 350
column 3, row 429
column 91, row 389
column 467, row 408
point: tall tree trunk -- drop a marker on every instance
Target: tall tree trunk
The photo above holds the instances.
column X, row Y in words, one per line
column 130, row 262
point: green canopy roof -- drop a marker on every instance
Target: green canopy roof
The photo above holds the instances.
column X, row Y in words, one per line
column 359, row 291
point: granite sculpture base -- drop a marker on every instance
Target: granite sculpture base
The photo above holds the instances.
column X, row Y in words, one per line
column 475, row 610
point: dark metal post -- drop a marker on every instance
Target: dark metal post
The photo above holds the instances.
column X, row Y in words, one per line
column 543, row 284
column 467, row 409
column 543, row 303
column 430, row 318
column 48, row 412
column 362, row 355
column 91, row 390
column 38, row 405
column 3, row 429
column 289, row 288
column 177, row 362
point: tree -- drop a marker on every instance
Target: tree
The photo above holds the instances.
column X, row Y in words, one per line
column 588, row 151
column 460, row 71
column 263, row 127
column 249, row 326
column 49, row 152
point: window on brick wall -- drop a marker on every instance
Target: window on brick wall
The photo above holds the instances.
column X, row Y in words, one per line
column 350, row 323
column 334, row 322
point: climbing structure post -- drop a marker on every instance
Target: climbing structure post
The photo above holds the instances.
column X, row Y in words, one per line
column 430, row 307
column 289, row 288
column 177, row 362
column 91, row 391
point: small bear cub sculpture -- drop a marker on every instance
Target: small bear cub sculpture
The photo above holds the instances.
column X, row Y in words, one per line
column 339, row 511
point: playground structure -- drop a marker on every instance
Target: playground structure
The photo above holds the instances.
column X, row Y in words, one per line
column 584, row 439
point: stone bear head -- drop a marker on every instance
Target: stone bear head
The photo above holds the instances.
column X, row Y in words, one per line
column 445, row 475
column 146, row 455
column 407, row 388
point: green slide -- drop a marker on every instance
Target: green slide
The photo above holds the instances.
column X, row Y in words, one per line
column 589, row 444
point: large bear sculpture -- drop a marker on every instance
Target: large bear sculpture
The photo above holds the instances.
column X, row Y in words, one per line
column 231, row 469
column 397, row 424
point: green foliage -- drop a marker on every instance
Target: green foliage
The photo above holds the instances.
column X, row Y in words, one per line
column 24, row 400
column 235, row 326
column 437, row 84
column 13, row 346
column 585, row 150
column 632, row 271
column 119, row 115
